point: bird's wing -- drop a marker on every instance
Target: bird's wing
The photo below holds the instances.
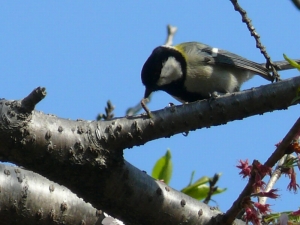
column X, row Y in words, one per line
column 214, row 56
column 224, row 58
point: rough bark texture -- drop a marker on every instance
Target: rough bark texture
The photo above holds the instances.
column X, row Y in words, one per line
column 87, row 156
column 28, row 198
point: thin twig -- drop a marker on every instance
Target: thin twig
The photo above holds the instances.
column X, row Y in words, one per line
column 280, row 151
column 28, row 103
column 147, row 110
column 212, row 188
column 273, row 179
column 171, row 32
column 270, row 65
column 108, row 112
column 236, row 207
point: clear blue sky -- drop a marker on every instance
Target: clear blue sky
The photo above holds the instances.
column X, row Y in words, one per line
column 86, row 52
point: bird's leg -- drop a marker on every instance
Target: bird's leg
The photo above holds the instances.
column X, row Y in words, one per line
column 144, row 106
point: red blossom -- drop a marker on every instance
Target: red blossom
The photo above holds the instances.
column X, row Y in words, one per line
column 262, row 169
column 296, row 213
column 251, row 215
column 287, row 170
column 269, row 194
column 293, row 147
column 293, row 183
column 245, row 168
column 262, row 208
column 259, row 183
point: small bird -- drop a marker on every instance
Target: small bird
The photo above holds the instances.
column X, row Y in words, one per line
column 194, row 71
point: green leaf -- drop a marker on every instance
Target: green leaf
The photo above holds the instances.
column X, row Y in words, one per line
column 199, row 190
column 296, row 65
column 292, row 62
column 192, row 178
column 202, row 180
column 163, row 168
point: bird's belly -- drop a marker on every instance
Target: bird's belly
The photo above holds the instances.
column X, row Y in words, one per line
column 215, row 80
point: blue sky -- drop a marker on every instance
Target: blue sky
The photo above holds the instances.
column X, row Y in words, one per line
column 86, row 52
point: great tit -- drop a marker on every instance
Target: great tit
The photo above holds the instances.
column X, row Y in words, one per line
column 194, row 71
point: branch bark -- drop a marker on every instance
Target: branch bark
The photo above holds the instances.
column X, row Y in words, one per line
column 87, row 156
column 28, row 198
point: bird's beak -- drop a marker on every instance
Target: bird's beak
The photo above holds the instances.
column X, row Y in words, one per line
column 147, row 92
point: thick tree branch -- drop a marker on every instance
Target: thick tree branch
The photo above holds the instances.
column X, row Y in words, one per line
column 206, row 113
column 86, row 156
column 28, row 198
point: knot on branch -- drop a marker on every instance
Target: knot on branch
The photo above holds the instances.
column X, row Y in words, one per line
column 28, row 103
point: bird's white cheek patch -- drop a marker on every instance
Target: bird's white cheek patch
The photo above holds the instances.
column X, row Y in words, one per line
column 171, row 71
column 214, row 52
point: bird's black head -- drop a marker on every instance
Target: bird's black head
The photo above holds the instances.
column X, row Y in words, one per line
column 152, row 70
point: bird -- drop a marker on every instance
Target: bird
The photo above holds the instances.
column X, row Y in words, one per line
column 194, row 71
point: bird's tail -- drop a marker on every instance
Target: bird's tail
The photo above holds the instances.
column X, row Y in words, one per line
column 282, row 65
column 279, row 65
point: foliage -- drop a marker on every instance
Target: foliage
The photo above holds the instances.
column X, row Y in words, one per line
column 199, row 190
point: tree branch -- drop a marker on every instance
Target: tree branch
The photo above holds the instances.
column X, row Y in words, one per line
column 256, row 36
column 87, row 156
column 230, row 215
column 28, row 197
